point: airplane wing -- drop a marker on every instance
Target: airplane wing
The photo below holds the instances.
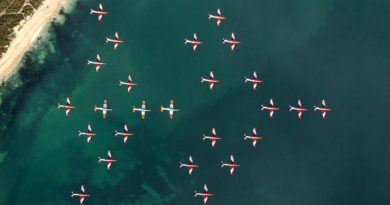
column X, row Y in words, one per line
column 125, row 128
column 89, row 128
column 195, row 37
column 67, row 110
column 101, row 7
column 98, row 57
column 88, row 139
column 116, row 35
column 231, row 170
column 190, row 171
column 213, row 143
column 194, row 47
column 171, row 114
column 104, row 113
column 130, row 78
column 205, row 199
column 125, row 139
column 97, row 68
column 108, row 165
column 115, row 45
column 109, row 154
column 190, row 160
column 218, row 22
column 81, row 200
column 67, row 101
column 205, row 188
column 254, row 86
column 211, row 74
column 142, row 114
column 219, row 12
column 271, row 113
column 82, row 189
column 231, row 158
column 128, row 88
column 100, row 17
column 323, row 103
column 233, row 36
column 271, row 102
column 254, row 75
column 299, row 114
column 254, row 131
column 233, row 46
column 214, row 132
column 254, row 143
column 323, row 114
column 211, row 86
column 299, row 103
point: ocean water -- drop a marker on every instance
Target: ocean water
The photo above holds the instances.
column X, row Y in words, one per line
column 307, row 49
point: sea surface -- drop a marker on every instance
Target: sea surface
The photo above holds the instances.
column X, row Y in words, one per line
column 303, row 49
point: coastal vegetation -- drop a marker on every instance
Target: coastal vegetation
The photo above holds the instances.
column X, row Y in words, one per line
column 12, row 13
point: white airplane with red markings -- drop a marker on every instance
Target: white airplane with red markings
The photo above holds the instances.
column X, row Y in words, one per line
column 67, row 106
column 81, row 195
column 299, row 109
column 210, row 80
column 116, row 40
column 323, row 108
column 213, row 137
column 143, row 109
column 171, row 109
column 231, row 164
column 271, row 108
column 98, row 62
column 253, row 137
column 104, row 109
column 190, row 165
column 89, row 134
column 125, row 133
column 108, row 160
column 254, row 80
column 205, row 194
column 194, row 42
column 217, row 17
column 233, row 42
column 99, row 12
column 129, row 83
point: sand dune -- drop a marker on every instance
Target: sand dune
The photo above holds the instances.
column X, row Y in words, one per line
column 27, row 35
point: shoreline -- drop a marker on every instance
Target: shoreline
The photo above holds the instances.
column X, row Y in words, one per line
column 27, row 34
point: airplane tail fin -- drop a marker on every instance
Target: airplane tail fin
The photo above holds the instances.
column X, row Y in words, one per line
column 72, row 194
column 202, row 79
column 315, row 108
column 209, row 16
column 245, row 136
column 116, row 133
column 107, row 40
column 99, row 159
column 181, row 165
column 204, row 136
column 246, row 79
column 79, row 133
column 185, row 41
column 222, row 164
column 89, row 62
column 223, row 40
column 290, row 108
column 91, row 12
column 262, row 107
column 196, row 194
column 58, row 105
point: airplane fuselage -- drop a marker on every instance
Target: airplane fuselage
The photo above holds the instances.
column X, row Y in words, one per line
column 66, row 106
column 170, row 109
column 141, row 110
column 297, row 109
column 216, row 17
column 252, row 137
column 88, row 133
column 189, row 165
column 107, row 160
column 229, row 165
column 211, row 138
column 253, row 80
column 114, row 40
column 203, row 194
column 323, row 109
column 269, row 108
column 96, row 62
column 231, row 41
column 195, row 42
column 98, row 12
column 103, row 109
column 123, row 133
column 80, row 195
column 209, row 80
column 127, row 83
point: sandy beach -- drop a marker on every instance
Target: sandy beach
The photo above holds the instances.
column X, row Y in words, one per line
column 26, row 36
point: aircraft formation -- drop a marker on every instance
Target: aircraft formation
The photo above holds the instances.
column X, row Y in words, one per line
column 211, row 80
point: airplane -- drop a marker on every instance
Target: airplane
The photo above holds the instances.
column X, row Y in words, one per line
column 116, row 40
column 254, row 80
column 190, row 165
column 104, row 109
column 323, row 108
column 171, row 109
column 143, row 109
column 271, row 108
column 195, row 42
column 254, row 137
column 67, row 106
column 100, row 12
column 129, row 83
column 213, row 137
column 108, row 160
column 232, row 42
column 125, row 133
column 299, row 109
column 217, row 17
column 231, row 164
column 211, row 80
column 205, row 194
column 81, row 195
column 97, row 62
column 88, row 134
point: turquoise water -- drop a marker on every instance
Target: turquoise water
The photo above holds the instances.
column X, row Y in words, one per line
column 311, row 50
